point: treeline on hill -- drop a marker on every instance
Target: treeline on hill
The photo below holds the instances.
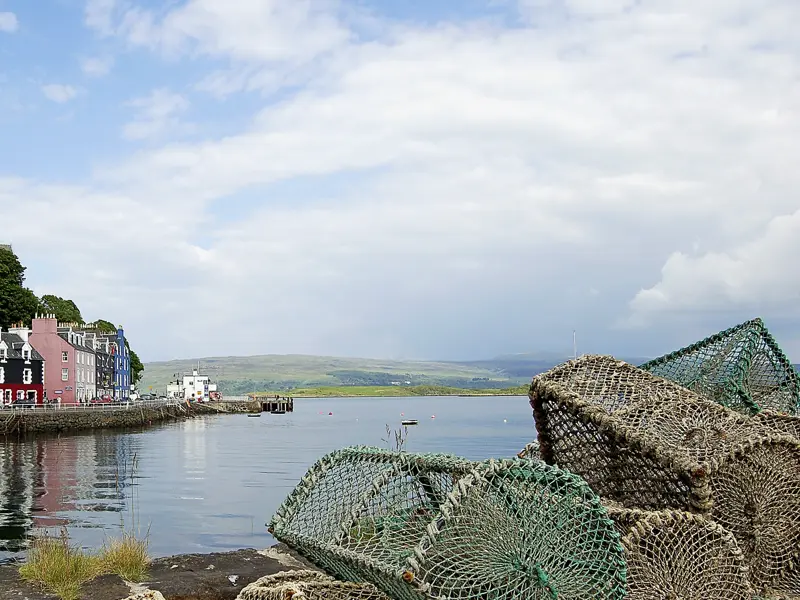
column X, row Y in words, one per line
column 18, row 304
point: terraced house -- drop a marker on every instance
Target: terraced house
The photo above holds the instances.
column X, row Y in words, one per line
column 69, row 360
column 21, row 368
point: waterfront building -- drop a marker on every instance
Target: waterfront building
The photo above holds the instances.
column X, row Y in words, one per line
column 192, row 387
column 114, row 344
column 85, row 383
column 122, row 366
column 21, row 368
column 69, row 361
column 104, row 363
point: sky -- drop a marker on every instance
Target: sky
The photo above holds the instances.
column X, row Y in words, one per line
column 421, row 179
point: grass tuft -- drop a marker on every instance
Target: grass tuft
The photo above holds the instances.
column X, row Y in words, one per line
column 59, row 567
column 127, row 557
column 62, row 568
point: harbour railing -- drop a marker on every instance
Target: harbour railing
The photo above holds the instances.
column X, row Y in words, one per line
column 101, row 406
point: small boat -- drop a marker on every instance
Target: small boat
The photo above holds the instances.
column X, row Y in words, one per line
column 253, row 414
column 409, row 422
column 278, row 412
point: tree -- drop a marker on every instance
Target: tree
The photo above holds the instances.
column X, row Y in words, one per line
column 17, row 304
column 11, row 269
column 105, row 326
column 66, row 311
column 137, row 368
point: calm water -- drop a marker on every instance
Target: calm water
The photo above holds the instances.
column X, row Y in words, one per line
column 211, row 484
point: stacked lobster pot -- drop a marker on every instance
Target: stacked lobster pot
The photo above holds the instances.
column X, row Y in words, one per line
column 434, row 526
column 706, row 499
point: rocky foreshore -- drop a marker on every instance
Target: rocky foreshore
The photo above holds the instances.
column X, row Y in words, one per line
column 217, row 576
column 60, row 421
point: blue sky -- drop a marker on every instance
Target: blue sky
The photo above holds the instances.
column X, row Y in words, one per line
column 417, row 179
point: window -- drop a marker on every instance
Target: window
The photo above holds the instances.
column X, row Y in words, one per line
column 20, row 395
column 2, row 375
column 27, row 376
column 8, row 396
column 3, row 353
column 26, row 354
column 64, row 374
column 65, row 357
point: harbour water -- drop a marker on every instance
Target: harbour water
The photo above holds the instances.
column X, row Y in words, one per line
column 211, row 484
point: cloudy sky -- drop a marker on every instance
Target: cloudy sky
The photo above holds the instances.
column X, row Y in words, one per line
column 416, row 178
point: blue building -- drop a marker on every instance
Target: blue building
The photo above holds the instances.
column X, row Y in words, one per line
column 122, row 366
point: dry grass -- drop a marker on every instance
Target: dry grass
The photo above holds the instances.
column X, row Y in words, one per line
column 127, row 557
column 59, row 567
column 62, row 568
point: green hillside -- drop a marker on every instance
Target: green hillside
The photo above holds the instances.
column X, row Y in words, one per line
column 237, row 375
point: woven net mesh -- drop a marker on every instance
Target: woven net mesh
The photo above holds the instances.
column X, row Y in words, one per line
column 742, row 368
column 786, row 424
column 437, row 526
column 308, row 585
column 673, row 450
column 675, row 554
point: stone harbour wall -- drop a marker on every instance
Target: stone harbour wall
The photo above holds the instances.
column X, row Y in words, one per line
column 59, row 421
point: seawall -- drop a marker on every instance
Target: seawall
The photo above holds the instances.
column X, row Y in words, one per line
column 59, row 421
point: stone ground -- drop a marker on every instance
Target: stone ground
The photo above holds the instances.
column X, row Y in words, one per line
column 217, row 576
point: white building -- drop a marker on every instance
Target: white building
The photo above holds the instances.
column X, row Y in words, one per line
column 193, row 387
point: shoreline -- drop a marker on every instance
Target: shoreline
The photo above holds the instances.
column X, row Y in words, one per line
column 206, row 576
column 26, row 423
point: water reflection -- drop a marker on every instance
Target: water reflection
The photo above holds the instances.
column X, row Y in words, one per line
column 44, row 480
column 211, row 484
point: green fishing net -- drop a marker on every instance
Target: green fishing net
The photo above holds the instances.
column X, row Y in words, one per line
column 648, row 443
column 742, row 368
column 440, row 527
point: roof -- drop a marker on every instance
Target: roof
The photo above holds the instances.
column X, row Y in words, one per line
column 15, row 345
column 81, row 347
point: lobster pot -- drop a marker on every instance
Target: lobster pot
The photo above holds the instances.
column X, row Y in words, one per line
column 675, row 554
column 308, row 585
column 742, row 368
column 674, row 451
column 437, row 526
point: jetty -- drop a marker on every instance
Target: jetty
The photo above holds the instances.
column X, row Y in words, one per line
column 273, row 403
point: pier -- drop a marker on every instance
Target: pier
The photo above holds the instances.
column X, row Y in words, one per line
column 273, row 402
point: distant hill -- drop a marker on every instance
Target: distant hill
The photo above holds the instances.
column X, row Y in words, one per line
column 244, row 374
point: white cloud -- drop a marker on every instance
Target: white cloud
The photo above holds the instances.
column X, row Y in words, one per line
column 8, row 22
column 99, row 15
column 448, row 190
column 156, row 115
column 59, row 93
column 97, row 66
column 757, row 274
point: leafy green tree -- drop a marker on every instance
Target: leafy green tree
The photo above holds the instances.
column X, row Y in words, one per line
column 105, row 326
column 11, row 270
column 137, row 368
column 17, row 304
column 66, row 311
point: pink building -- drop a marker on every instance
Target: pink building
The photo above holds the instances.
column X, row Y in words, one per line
column 69, row 363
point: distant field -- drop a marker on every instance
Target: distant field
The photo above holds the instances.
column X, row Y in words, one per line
column 238, row 375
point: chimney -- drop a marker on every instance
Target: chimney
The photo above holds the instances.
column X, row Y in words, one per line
column 22, row 331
